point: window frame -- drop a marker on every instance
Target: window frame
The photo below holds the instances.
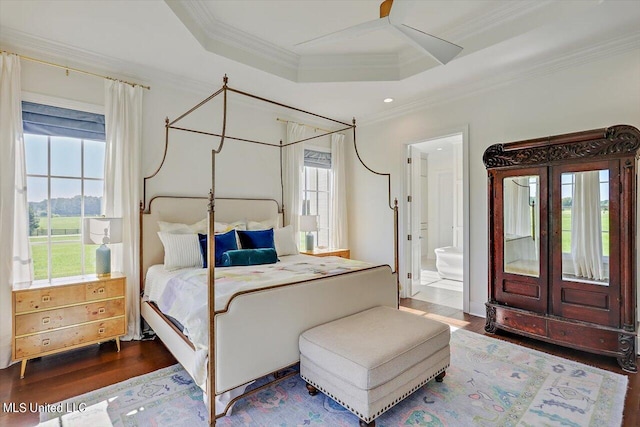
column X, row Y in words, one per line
column 308, row 193
column 74, row 105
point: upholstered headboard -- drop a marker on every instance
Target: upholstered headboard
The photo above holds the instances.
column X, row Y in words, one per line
column 189, row 210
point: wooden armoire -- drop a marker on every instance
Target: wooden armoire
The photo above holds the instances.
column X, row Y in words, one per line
column 562, row 240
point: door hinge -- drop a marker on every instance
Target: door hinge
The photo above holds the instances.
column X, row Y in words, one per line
column 409, row 276
column 409, row 199
column 409, row 237
column 409, row 160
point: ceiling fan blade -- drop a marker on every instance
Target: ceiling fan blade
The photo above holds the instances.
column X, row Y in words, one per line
column 347, row 33
column 441, row 50
column 399, row 11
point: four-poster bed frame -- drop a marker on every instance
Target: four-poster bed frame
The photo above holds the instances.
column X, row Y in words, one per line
column 366, row 288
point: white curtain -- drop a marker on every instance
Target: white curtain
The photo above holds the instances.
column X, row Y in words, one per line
column 16, row 265
column 123, row 122
column 586, row 227
column 338, row 237
column 517, row 211
column 293, row 175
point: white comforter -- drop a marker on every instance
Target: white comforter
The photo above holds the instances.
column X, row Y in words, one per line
column 182, row 294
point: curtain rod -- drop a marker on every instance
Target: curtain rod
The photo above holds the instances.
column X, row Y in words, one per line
column 303, row 124
column 64, row 67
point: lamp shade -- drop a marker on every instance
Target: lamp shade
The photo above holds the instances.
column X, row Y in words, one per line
column 102, row 230
column 308, row 223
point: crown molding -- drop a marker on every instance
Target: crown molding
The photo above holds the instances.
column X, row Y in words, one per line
column 602, row 50
column 223, row 39
column 27, row 44
column 500, row 15
column 238, row 39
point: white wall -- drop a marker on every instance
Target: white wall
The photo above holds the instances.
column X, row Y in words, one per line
column 592, row 95
column 242, row 169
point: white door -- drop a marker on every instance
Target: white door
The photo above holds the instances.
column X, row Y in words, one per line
column 424, row 209
column 445, row 209
column 415, row 216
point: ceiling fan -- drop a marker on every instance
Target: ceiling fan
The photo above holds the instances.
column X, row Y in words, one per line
column 391, row 16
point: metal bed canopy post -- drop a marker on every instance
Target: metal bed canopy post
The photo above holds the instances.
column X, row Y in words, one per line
column 393, row 207
column 211, row 383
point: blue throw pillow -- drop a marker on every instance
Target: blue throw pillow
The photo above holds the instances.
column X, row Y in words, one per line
column 249, row 257
column 224, row 242
column 256, row 239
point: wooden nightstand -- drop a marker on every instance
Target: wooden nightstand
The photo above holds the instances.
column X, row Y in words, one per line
column 67, row 313
column 342, row 253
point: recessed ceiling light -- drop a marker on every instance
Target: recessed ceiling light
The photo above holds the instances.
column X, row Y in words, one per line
column 439, row 149
column 387, row 100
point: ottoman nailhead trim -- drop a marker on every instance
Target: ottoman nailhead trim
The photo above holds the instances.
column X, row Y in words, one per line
column 383, row 410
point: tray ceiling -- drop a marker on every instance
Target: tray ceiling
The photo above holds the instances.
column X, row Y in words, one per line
column 192, row 44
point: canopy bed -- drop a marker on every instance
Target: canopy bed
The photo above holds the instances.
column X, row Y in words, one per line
column 250, row 326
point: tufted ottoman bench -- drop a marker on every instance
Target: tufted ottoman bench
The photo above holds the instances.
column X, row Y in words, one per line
column 372, row 360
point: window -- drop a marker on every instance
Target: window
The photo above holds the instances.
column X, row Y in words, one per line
column 65, row 181
column 317, row 193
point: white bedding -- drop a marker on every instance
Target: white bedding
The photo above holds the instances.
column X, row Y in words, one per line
column 182, row 294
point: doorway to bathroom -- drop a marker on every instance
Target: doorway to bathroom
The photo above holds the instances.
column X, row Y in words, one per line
column 436, row 207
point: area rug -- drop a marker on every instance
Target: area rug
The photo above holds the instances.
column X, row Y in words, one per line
column 490, row 383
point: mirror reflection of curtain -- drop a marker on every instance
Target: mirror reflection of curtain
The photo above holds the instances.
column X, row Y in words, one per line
column 535, row 231
column 586, row 227
column 517, row 211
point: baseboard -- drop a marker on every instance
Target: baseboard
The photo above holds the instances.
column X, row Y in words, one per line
column 477, row 309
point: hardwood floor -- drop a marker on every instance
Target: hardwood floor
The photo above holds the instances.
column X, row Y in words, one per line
column 59, row 377
column 55, row 378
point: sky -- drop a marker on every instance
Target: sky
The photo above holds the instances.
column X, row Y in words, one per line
column 67, row 164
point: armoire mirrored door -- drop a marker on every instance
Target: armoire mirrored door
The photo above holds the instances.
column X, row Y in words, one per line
column 585, row 218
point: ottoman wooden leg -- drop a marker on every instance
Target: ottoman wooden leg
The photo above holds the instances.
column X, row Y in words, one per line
column 440, row 376
column 366, row 424
column 312, row 390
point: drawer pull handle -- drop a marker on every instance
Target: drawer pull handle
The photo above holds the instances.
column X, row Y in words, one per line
column 46, row 320
column 101, row 290
column 101, row 331
column 506, row 318
column 101, row 310
column 601, row 340
column 46, row 298
column 46, row 342
column 563, row 333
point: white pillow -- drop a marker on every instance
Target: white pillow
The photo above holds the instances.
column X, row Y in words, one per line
column 179, row 228
column 265, row 224
column 180, row 250
column 200, row 226
column 223, row 227
column 284, row 240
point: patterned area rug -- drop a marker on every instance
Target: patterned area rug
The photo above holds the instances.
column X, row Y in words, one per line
column 490, row 382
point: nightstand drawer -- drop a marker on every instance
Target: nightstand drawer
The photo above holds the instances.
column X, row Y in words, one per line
column 57, row 318
column 49, row 297
column 105, row 289
column 35, row 345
